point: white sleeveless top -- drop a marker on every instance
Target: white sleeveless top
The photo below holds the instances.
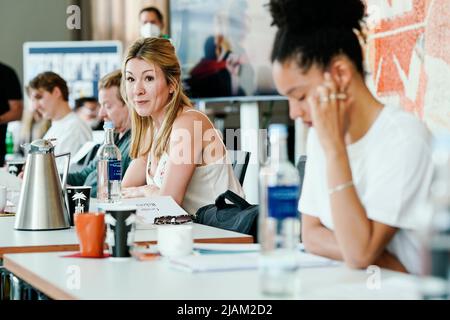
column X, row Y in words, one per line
column 206, row 184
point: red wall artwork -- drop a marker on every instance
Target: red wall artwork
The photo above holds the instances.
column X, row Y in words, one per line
column 409, row 56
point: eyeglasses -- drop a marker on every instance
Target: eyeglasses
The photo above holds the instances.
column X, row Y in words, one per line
column 173, row 219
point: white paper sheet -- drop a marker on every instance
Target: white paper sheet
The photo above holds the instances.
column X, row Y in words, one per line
column 232, row 247
column 240, row 261
column 84, row 150
column 226, row 247
column 148, row 209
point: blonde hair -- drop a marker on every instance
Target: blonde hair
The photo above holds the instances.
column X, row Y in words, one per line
column 31, row 127
column 112, row 79
column 160, row 52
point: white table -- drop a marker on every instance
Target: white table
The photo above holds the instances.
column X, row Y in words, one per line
column 15, row 241
column 132, row 279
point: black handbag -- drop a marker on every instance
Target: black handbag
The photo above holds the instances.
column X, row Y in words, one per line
column 239, row 216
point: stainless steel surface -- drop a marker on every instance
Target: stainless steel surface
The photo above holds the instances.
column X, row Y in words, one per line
column 41, row 204
column 39, row 146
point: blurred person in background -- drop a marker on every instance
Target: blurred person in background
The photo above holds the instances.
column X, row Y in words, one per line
column 33, row 126
column 87, row 108
column 112, row 108
column 210, row 77
column 151, row 21
column 49, row 95
column 11, row 104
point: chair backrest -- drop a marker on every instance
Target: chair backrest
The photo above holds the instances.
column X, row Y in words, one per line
column 301, row 171
column 91, row 155
column 239, row 162
column 83, row 162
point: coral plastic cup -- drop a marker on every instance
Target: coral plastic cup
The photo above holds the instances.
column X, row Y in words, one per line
column 91, row 232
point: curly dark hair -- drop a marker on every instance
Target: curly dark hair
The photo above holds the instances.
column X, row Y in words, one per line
column 313, row 32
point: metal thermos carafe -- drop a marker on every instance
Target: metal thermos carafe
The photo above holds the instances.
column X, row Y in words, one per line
column 42, row 202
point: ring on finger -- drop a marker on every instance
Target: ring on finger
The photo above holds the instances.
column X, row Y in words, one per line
column 324, row 99
column 341, row 96
column 332, row 96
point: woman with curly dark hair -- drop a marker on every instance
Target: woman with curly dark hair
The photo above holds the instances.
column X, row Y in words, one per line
column 369, row 168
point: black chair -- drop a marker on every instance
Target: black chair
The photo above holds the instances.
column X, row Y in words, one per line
column 91, row 155
column 82, row 163
column 4, row 284
column 239, row 162
column 301, row 172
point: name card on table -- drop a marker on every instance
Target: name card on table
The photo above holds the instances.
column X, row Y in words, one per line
column 147, row 209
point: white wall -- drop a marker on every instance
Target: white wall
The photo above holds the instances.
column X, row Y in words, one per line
column 25, row 20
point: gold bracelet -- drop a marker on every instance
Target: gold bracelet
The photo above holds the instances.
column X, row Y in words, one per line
column 340, row 187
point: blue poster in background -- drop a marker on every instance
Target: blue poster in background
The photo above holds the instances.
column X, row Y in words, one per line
column 80, row 63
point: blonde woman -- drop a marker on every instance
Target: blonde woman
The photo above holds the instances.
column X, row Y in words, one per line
column 175, row 149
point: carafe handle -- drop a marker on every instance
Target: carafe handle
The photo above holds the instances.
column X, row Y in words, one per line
column 66, row 168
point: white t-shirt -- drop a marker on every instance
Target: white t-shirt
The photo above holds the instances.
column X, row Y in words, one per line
column 71, row 133
column 392, row 171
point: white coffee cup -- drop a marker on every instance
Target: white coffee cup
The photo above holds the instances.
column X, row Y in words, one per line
column 175, row 240
column 2, row 198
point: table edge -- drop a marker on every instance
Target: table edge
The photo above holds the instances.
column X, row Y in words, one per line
column 75, row 247
column 39, row 249
column 36, row 281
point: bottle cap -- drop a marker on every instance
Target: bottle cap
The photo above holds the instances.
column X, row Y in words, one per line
column 108, row 125
column 278, row 129
column 40, row 146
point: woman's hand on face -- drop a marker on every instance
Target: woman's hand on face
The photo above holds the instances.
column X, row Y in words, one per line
column 329, row 112
column 139, row 192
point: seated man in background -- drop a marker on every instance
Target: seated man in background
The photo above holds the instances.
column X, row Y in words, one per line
column 112, row 108
column 87, row 108
column 49, row 96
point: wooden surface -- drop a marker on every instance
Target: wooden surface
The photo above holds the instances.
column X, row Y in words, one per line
column 7, row 214
column 15, row 241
